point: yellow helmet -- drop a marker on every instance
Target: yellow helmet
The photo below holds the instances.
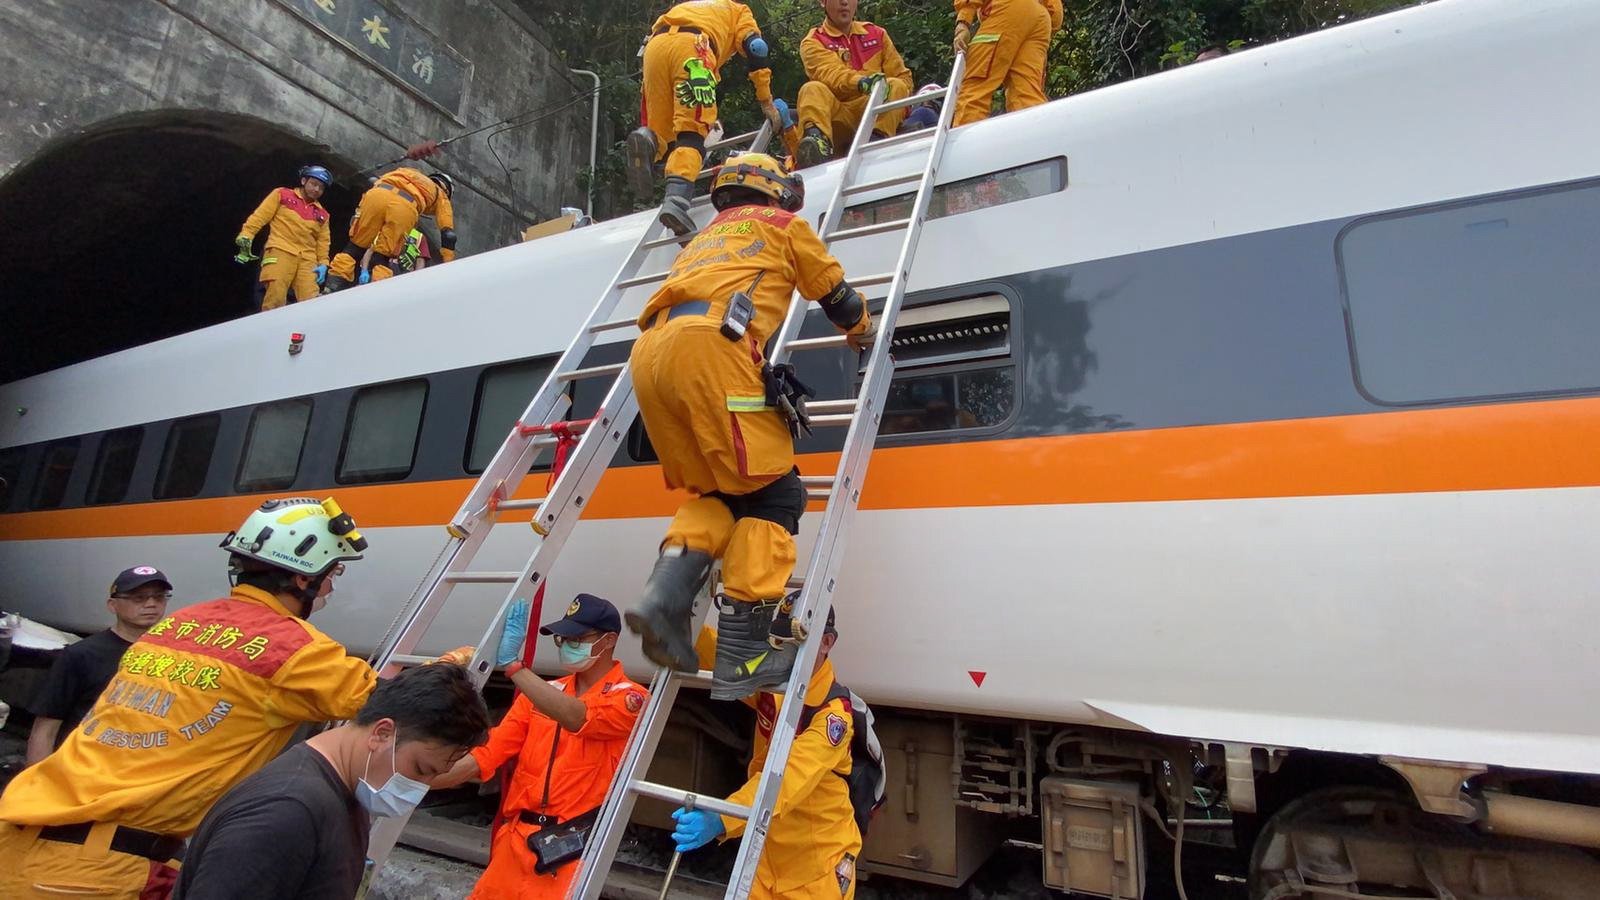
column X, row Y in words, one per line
column 298, row 534
column 762, row 173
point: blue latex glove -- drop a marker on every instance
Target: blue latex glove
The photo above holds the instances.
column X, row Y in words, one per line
column 784, row 112
column 515, row 634
column 322, row 273
column 696, row 828
column 364, row 277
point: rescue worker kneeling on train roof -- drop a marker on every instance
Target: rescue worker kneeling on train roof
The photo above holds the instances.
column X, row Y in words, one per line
column 207, row 696
column 296, row 254
column 703, row 393
column 387, row 213
column 844, row 58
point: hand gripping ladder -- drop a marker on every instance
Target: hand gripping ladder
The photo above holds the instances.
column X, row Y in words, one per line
column 842, row 492
column 593, row 443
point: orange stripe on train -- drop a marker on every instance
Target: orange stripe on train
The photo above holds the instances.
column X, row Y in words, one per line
column 1501, row 446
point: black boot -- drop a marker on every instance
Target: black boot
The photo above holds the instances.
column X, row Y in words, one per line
column 675, row 206
column 814, row 148
column 747, row 660
column 641, row 146
column 334, row 283
column 666, row 615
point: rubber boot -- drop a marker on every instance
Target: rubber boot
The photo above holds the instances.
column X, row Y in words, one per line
column 334, row 283
column 666, row 615
column 675, row 206
column 814, row 148
column 641, row 148
column 746, row 662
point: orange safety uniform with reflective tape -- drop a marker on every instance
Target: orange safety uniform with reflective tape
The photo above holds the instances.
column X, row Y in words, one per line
column 558, row 773
column 297, row 242
column 702, row 396
column 835, row 64
column 1008, row 50
column 387, row 213
column 813, row 842
column 713, row 31
column 207, row 696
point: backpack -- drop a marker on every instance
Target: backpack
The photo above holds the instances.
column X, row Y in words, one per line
column 867, row 781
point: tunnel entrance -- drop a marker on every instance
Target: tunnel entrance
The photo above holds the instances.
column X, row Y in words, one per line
column 124, row 234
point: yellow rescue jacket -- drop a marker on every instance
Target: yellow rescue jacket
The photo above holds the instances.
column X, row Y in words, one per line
column 296, row 226
column 841, row 60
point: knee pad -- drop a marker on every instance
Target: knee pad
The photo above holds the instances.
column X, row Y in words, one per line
column 691, row 139
column 781, row 502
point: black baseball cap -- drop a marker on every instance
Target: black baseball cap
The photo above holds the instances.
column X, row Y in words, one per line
column 138, row 577
column 587, row 613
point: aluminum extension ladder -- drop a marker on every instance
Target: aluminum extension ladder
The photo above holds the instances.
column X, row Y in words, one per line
column 842, row 492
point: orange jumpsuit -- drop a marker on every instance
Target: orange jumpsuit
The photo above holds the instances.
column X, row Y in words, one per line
column 712, row 30
column 1008, row 50
column 559, row 773
column 702, row 397
column 209, row 695
column 831, row 100
column 387, row 213
column 297, row 242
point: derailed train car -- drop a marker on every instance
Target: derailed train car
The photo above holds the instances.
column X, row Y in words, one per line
column 1239, row 463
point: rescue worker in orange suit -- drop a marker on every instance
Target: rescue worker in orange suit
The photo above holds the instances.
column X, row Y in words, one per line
column 207, row 696
column 561, row 742
column 683, row 59
column 813, row 841
column 296, row 254
column 1007, row 50
column 844, row 58
column 703, row 392
column 387, row 213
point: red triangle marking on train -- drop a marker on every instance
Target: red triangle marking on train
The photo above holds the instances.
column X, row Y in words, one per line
column 978, row 677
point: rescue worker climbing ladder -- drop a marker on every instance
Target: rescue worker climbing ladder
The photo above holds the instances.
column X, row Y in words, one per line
column 386, row 215
column 296, row 254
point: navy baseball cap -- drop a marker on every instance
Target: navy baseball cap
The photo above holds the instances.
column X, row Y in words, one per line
column 587, row 613
column 138, row 577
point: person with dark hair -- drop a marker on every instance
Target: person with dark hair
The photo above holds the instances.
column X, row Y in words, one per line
column 203, row 699
column 298, row 828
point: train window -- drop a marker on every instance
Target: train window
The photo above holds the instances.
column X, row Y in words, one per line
column 380, row 437
column 1488, row 298
column 10, row 474
column 503, row 395
column 946, row 376
column 113, row 465
column 272, row 446
column 1023, row 182
column 186, row 458
column 55, row 470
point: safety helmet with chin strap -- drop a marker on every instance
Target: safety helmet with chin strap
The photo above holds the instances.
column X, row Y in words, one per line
column 296, row 534
column 761, row 173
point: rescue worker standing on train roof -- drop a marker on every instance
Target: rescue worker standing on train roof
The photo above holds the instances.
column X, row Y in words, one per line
column 296, row 254
column 561, row 743
column 707, row 401
column 683, row 58
column 844, row 59
column 387, row 213
column 1006, row 50
column 207, row 696
column 814, row 841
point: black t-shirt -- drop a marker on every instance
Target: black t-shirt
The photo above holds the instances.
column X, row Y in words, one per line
column 290, row 830
column 80, row 673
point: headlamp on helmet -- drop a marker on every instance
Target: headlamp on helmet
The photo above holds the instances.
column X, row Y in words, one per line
column 761, row 173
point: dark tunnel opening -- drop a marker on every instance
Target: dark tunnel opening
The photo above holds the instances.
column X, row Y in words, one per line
column 124, row 234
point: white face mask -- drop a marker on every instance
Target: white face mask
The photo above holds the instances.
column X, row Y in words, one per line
column 398, row 796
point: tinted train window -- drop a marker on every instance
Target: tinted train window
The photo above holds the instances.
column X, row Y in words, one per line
column 272, row 445
column 113, row 465
column 380, row 437
column 996, row 188
column 503, row 395
column 186, row 458
column 942, row 381
column 55, row 470
column 1492, row 298
column 10, row 474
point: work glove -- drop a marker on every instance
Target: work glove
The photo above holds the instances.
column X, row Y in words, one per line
column 785, row 114
column 963, row 34
column 865, row 84
column 322, row 273
column 460, row 656
column 244, row 255
column 860, row 341
column 770, row 111
column 514, row 635
column 700, row 88
column 695, row 829
column 364, row 277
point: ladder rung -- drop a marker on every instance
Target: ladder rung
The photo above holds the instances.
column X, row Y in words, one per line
column 682, row 797
column 667, row 241
column 816, row 480
column 794, row 584
column 483, row 577
column 700, row 679
column 823, row 407
column 899, row 139
column 818, row 493
column 406, row 659
column 533, row 503
column 912, row 100
column 821, row 343
column 613, row 325
column 593, row 372
column 642, row 279
column 882, row 183
column 872, row 280
column 866, row 230
column 745, row 139
column 840, row 419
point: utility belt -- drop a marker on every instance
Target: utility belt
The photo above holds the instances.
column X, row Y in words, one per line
column 132, row 841
column 686, row 29
column 403, row 194
column 557, row 843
